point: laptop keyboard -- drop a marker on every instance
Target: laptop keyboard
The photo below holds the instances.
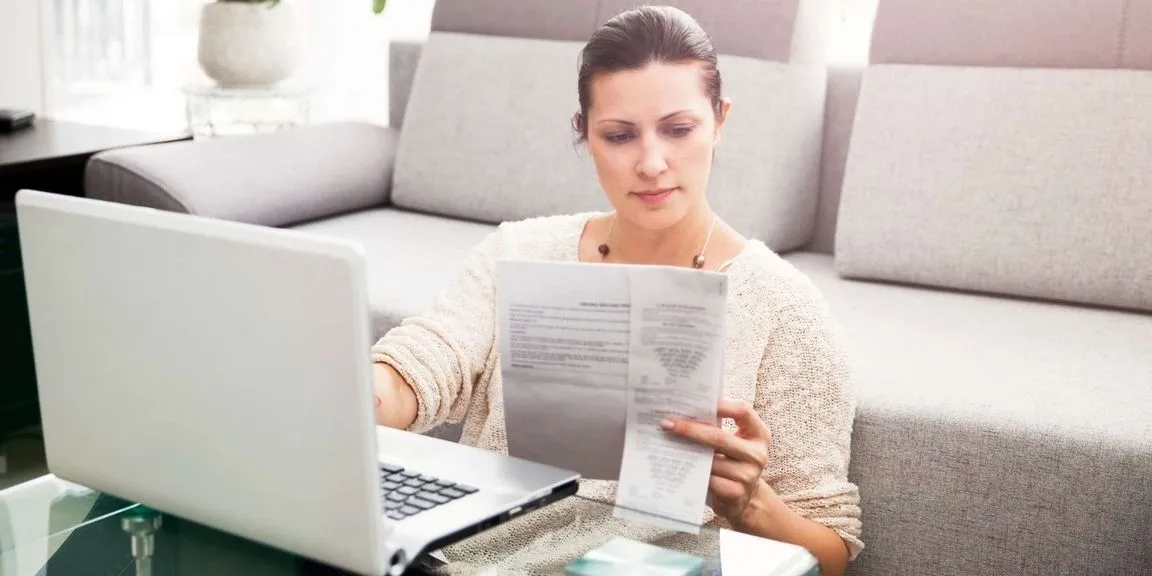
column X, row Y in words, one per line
column 407, row 493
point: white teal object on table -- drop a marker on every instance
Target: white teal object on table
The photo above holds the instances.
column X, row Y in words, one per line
column 626, row 556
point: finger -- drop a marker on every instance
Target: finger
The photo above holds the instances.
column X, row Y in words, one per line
column 725, row 490
column 745, row 416
column 744, row 473
column 722, row 440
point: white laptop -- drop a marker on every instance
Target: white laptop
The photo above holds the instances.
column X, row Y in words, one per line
column 221, row 372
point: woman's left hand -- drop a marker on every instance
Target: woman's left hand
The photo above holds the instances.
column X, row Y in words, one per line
column 740, row 457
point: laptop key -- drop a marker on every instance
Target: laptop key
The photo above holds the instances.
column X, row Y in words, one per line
column 433, row 497
column 445, row 484
column 397, row 477
column 415, row 483
column 398, row 496
column 466, row 489
column 391, row 469
column 426, row 478
column 452, row 493
column 409, row 474
column 392, row 504
column 389, row 485
column 396, row 515
column 419, row 503
column 409, row 510
column 407, row 490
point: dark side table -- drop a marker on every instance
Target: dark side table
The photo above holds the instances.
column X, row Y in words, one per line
column 50, row 155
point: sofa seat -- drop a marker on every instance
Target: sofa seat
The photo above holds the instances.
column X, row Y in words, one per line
column 1011, row 428
column 411, row 257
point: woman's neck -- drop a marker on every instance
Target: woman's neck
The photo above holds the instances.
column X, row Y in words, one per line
column 673, row 246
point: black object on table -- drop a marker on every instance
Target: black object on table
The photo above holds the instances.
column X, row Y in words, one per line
column 49, row 156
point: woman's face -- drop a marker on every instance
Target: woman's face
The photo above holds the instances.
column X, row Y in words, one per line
column 651, row 133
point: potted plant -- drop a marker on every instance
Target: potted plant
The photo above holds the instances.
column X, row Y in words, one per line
column 251, row 43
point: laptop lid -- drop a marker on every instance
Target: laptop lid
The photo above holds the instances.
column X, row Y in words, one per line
column 213, row 370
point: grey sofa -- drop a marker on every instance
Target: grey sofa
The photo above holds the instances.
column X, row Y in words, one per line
column 975, row 204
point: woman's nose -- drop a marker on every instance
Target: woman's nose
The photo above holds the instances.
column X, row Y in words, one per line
column 652, row 162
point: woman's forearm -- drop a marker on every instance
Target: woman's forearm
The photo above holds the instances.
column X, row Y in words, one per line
column 397, row 401
column 769, row 517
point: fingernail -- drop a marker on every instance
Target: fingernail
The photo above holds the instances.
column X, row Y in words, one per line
column 667, row 424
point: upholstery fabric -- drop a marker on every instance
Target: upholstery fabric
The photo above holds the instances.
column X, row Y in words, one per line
column 1015, row 181
column 839, row 113
column 766, row 173
column 1136, row 41
column 567, row 20
column 994, row 435
column 468, row 161
column 780, row 30
column 271, row 179
column 495, row 141
column 411, row 257
column 754, row 28
column 403, row 58
column 1028, row 33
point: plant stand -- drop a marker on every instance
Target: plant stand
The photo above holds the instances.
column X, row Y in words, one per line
column 216, row 111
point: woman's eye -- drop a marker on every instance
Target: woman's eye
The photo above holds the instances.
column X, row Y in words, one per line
column 617, row 137
column 680, row 131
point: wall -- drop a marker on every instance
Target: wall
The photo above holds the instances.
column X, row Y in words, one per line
column 21, row 61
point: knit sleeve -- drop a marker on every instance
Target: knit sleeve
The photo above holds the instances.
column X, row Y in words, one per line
column 441, row 353
column 805, row 395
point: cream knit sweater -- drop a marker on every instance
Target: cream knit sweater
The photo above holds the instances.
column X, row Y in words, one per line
column 784, row 354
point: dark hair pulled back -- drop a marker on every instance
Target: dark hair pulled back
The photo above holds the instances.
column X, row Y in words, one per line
column 641, row 36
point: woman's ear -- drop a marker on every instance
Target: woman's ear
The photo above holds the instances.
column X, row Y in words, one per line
column 725, row 106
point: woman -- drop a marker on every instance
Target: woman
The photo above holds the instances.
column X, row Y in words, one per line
column 651, row 114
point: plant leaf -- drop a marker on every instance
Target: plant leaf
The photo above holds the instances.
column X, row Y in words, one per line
column 378, row 6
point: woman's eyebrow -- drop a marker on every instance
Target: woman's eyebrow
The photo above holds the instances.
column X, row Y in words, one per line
column 662, row 118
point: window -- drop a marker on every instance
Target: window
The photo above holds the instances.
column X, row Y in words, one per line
column 120, row 62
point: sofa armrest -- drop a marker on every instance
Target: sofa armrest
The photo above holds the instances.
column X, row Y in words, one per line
column 273, row 179
column 403, row 58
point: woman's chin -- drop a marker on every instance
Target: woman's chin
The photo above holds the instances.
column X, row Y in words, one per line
column 655, row 218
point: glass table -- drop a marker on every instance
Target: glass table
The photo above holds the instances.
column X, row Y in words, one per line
column 49, row 527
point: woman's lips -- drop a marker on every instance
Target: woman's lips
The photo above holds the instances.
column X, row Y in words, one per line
column 656, row 196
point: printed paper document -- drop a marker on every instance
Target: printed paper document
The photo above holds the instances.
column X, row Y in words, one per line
column 593, row 356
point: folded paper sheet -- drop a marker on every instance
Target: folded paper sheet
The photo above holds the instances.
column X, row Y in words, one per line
column 594, row 356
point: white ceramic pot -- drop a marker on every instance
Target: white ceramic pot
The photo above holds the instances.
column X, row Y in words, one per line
column 248, row 44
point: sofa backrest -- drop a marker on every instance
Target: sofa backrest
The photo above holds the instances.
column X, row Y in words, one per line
column 839, row 114
column 1003, row 148
column 487, row 132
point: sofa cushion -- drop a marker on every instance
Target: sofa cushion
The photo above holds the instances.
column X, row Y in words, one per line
column 839, row 114
column 770, row 29
column 994, row 435
column 1026, row 182
column 568, row 20
column 1031, row 33
column 491, row 141
column 411, row 257
column 780, row 30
